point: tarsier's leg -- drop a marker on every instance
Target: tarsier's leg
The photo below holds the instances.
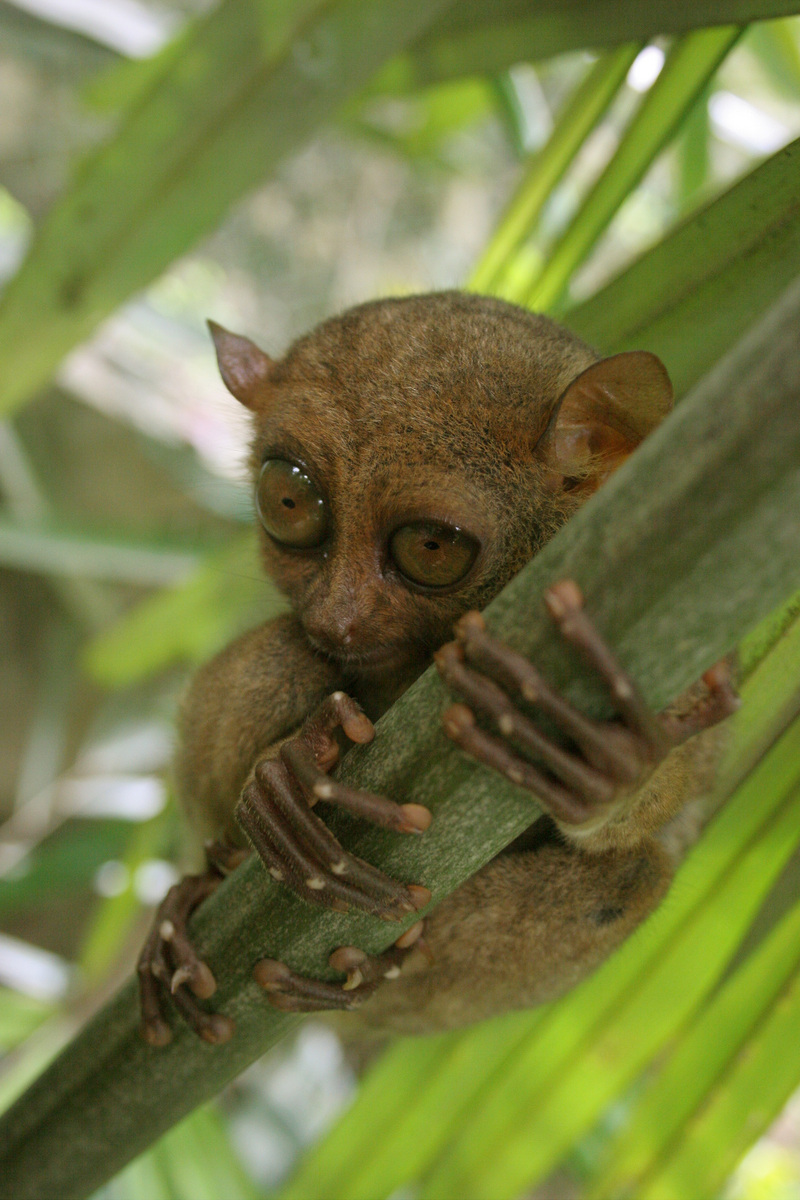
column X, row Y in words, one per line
column 609, row 759
column 526, row 928
column 169, row 965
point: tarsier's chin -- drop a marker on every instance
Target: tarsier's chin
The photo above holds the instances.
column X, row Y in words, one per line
column 408, row 457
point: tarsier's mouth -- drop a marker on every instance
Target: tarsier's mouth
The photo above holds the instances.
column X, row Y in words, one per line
column 368, row 658
column 378, row 657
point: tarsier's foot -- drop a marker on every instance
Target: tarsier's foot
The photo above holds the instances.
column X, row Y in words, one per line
column 297, row 848
column 365, row 973
column 169, row 965
column 609, row 759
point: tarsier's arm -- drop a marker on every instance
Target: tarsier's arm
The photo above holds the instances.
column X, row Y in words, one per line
column 251, row 696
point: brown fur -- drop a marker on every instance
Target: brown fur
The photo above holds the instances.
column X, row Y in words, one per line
column 440, row 406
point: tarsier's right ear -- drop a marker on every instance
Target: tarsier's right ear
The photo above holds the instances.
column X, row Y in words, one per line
column 603, row 416
column 245, row 369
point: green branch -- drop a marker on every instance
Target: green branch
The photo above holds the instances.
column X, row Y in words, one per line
column 684, row 550
column 52, row 550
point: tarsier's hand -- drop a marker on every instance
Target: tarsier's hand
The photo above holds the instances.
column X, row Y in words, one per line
column 608, row 760
column 298, row 850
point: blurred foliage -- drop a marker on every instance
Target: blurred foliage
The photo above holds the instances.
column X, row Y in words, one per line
column 565, row 176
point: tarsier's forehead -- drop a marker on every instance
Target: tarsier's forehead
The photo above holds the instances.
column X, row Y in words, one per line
column 444, row 349
column 358, row 428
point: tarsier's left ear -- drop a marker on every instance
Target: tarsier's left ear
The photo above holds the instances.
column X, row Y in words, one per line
column 603, row 416
column 244, row 368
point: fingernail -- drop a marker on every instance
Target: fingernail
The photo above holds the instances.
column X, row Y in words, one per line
column 420, row 896
column 563, row 597
column 410, row 936
column 203, row 983
column 417, row 818
column 182, row 975
column 270, row 974
column 346, row 958
column 354, row 980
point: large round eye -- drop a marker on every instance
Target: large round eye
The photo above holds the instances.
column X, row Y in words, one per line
column 290, row 507
column 432, row 554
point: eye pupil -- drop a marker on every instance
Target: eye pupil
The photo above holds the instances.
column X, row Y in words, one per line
column 287, row 503
column 431, row 545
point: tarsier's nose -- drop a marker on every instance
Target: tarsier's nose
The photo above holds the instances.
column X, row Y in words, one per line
column 347, row 633
column 335, row 631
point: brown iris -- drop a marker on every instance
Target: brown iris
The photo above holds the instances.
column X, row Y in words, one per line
column 432, row 554
column 290, row 506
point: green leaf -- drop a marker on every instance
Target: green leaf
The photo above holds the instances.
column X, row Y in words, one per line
column 194, row 1161
column 200, row 1160
column 775, row 45
column 591, row 1046
column 19, row 1016
column 761, row 1080
column 692, row 296
column 252, row 81
column 471, row 37
column 694, row 157
column 115, row 916
column 427, row 119
column 689, row 66
column 63, row 863
column 773, row 696
column 54, row 550
column 654, row 1139
column 546, row 167
column 409, row 1106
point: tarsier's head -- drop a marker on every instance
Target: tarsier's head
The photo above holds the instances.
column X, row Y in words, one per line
column 412, row 454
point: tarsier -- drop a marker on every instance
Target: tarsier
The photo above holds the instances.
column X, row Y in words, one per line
column 409, row 458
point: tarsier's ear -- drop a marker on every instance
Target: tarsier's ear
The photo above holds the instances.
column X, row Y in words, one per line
column 603, row 416
column 244, row 368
